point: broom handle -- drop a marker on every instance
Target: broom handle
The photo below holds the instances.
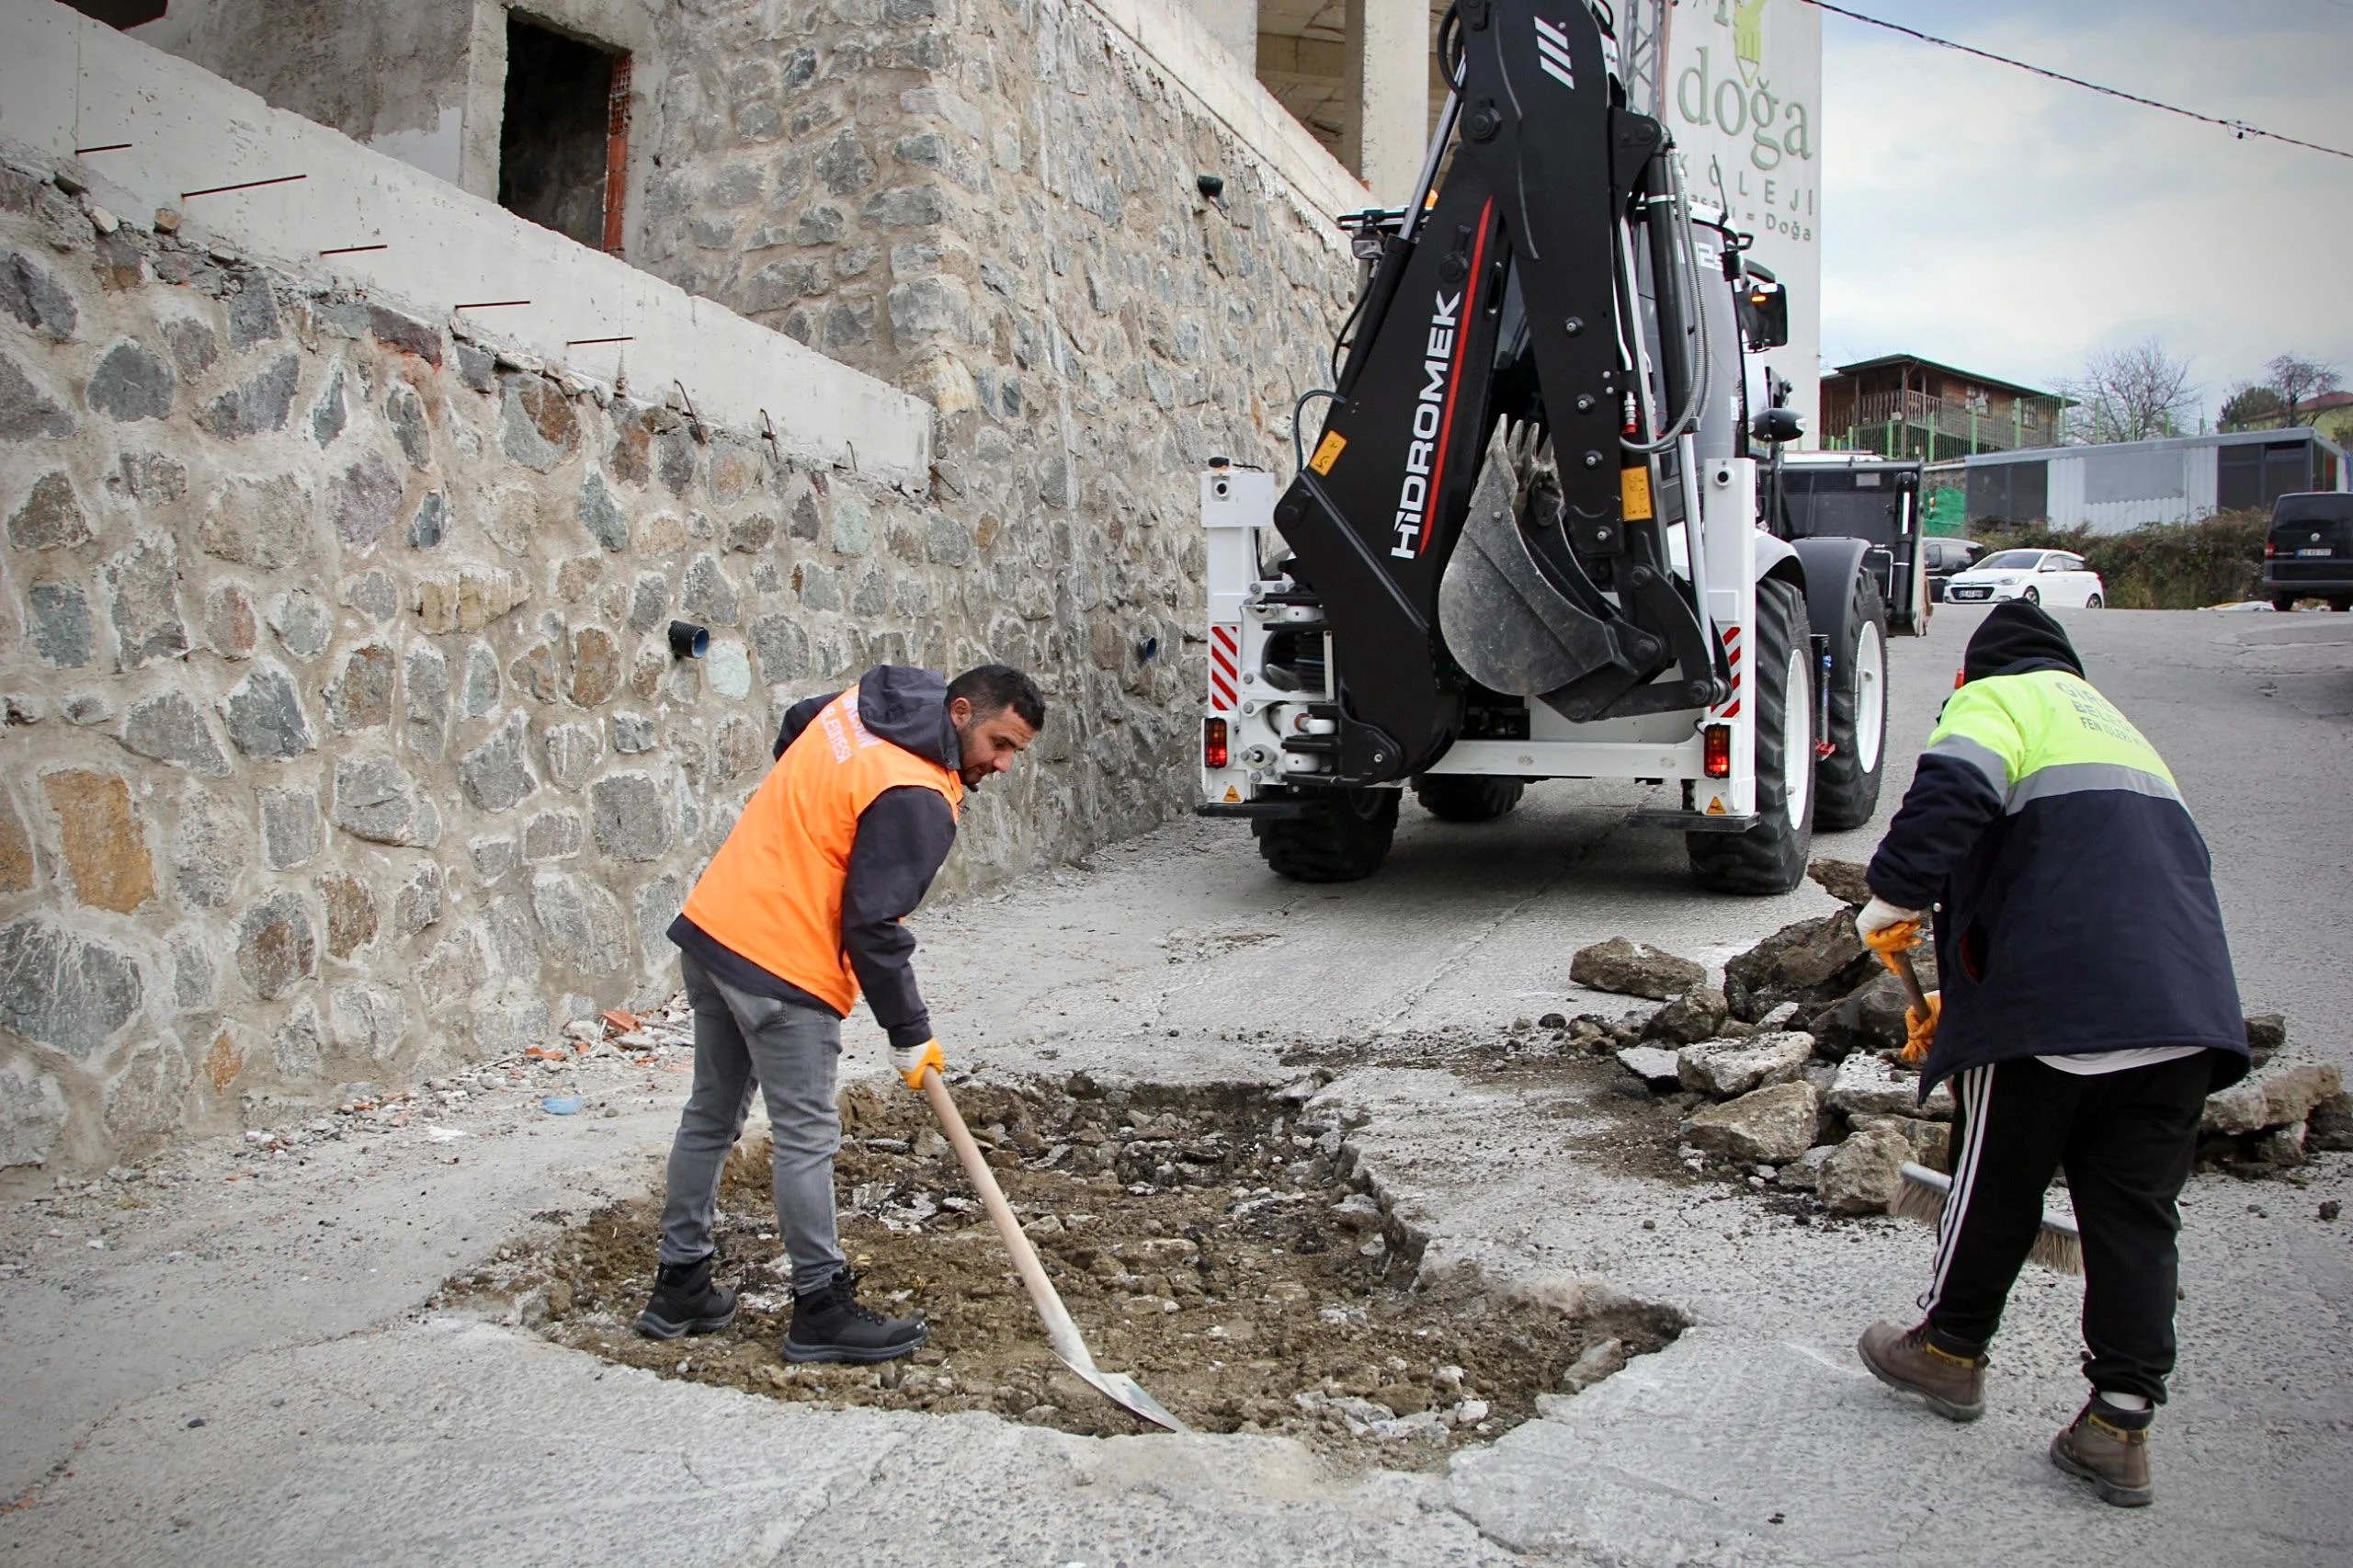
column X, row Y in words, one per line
column 1042, row 1295
column 1898, row 959
column 1901, row 962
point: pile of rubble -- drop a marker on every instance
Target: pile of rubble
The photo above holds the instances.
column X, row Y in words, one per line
column 1790, row 1070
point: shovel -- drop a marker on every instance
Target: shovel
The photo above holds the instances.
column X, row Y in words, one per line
column 1117, row 1387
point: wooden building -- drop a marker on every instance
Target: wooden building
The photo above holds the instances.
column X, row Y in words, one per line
column 1900, row 406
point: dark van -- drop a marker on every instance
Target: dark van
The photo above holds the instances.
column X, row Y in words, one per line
column 2309, row 555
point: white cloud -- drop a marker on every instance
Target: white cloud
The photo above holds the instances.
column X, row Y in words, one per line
column 2012, row 225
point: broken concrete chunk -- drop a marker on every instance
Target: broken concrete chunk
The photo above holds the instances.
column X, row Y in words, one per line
column 1842, row 879
column 1653, row 1066
column 1769, row 1127
column 1870, row 1017
column 2330, row 1126
column 1697, row 1015
column 1634, row 968
column 1597, row 1362
column 2274, row 1100
column 1863, row 1175
column 1814, row 960
column 1804, row 1173
column 1869, row 1085
column 1930, row 1142
column 2266, row 1033
column 1723, row 1068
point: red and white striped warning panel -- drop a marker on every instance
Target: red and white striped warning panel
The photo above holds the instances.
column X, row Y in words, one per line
column 1225, row 666
column 1731, row 657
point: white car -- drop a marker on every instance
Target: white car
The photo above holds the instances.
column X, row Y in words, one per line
column 2038, row 576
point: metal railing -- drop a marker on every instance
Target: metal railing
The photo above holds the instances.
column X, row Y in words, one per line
column 2030, row 422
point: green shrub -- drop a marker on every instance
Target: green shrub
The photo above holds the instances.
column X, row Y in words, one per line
column 2216, row 559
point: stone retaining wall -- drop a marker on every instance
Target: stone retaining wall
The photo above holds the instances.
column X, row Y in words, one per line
column 341, row 739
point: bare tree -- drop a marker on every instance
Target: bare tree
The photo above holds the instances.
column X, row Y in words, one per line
column 2294, row 379
column 2132, row 394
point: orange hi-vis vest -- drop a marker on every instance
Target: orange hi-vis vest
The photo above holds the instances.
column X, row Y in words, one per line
column 773, row 893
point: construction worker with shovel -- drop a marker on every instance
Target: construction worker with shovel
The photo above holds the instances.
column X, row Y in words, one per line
column 2087, row 1009
column 797, row 913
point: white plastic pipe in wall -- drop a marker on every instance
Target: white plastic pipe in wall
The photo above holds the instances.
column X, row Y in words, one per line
column 70, row 86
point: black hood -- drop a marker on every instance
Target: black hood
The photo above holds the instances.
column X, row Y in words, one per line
column 2018, row 639
column 909, row 707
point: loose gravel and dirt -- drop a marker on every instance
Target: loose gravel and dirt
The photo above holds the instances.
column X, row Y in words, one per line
column 1216, row 1242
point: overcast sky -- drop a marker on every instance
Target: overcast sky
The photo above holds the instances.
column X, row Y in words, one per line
column 2014, row 226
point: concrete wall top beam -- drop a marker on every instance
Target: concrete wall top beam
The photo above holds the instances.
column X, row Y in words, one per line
column 297, row 194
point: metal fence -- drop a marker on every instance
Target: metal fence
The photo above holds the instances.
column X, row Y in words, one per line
column 1883, row 421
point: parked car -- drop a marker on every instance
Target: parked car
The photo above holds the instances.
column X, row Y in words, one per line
column 2038, row 576
column 1946, row 557
column 2309, row 553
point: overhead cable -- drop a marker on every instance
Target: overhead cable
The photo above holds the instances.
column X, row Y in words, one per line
column 2239, row 127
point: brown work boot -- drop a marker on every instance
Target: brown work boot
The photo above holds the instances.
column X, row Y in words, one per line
column 2114, row 1458
column 1953, row 1385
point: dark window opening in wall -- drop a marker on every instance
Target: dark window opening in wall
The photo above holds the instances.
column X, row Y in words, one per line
column 121, row 12
column 563, row 145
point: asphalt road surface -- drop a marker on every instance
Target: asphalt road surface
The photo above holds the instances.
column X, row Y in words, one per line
column 214, row 1384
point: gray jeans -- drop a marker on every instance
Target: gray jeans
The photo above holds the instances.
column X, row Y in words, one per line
column 792, row 1053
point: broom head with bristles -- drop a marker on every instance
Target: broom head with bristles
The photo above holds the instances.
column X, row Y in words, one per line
column 1922, row 1195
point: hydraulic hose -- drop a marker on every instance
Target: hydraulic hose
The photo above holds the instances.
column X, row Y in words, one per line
column 1700, row 377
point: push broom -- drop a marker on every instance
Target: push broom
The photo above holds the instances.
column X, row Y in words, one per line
column 1923, row 1193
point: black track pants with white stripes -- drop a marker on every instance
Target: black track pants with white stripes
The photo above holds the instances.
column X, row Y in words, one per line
column 2126, row 1139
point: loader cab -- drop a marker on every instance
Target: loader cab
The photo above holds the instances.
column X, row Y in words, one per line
column 1852, row 496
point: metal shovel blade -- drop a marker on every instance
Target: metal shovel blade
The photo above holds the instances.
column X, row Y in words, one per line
column 1118, row 1387
column 1123, row 1390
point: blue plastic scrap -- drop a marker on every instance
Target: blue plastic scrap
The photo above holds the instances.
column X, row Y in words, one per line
column 561, row 1105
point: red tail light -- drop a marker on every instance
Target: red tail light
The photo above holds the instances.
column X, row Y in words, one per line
column 1959, row 678
column 1717, row 744
column 2269, row 550
column 1215, row 751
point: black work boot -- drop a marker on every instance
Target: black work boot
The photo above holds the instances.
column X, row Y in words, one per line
column 829, row 1325
column 1909, row 1360
column 686, row 1301
column 2108, row 1447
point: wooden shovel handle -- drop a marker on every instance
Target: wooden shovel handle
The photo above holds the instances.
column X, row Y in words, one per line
column 1042, row 1295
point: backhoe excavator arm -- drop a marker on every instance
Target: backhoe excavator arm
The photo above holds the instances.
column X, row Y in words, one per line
column 1537, row 289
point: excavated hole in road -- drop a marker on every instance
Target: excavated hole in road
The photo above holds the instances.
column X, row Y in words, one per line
column 1215, row 1242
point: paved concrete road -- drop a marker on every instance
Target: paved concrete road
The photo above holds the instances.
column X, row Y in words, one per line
column 338, row 1424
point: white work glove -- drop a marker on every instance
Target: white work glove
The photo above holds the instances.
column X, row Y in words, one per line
column 912, row 1062
column 1878, row 915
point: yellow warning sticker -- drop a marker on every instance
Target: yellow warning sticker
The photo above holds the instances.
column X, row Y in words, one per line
column 1232, row 795
column 1327, row 451
column 1716, row 805
column 1634, row 493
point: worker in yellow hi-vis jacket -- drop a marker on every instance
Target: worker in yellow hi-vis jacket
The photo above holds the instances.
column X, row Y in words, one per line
column 2088, row 1008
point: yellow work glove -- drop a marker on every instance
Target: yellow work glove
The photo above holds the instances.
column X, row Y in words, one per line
column 1920, row 1033
column 1891, row 938
column 913, row 1062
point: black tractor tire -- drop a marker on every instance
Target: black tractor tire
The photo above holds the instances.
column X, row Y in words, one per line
column 1466, row 797
column 1343, row 838
column 2284, row 603
column 1771, row 857
column 1846, row 782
